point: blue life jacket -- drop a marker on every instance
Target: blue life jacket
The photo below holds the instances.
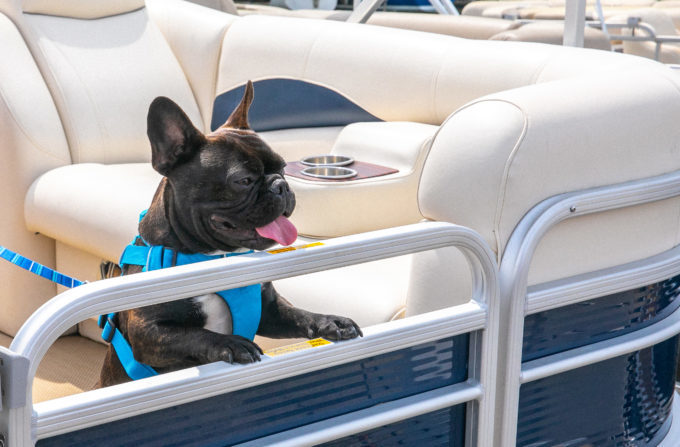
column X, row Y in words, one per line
column 245, row 303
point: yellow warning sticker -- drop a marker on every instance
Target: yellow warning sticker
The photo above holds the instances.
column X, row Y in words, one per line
column 299, row 247
column 307, row 344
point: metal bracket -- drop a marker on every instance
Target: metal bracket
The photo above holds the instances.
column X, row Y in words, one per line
column 13, row 379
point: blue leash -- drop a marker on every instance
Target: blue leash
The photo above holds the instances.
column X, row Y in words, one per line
column 110, row 334
column 244, row 302
column 39, row 269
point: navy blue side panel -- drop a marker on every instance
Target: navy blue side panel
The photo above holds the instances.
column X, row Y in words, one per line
column 588, row 322
column 443, row 428
column 624, row 401
column 290, row 104
column 273, row 407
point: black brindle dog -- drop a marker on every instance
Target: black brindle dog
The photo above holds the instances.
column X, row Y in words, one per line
column 221, row 192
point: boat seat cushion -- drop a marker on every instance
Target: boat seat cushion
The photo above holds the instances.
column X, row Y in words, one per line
column 103, row 80
column 81, row 9
column 90, row 206
column 33, row 142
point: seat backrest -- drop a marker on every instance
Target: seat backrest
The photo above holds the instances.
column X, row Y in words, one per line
column 104, row 62
column 425, row 81
column 32, row 142
column 78, row 80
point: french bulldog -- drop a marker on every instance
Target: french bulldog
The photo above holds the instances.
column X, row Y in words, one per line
column 221, row 192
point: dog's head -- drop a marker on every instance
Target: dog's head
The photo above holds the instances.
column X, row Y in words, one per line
column 224, row 190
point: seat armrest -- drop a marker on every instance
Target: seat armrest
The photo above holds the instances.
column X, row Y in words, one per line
column 345, row 207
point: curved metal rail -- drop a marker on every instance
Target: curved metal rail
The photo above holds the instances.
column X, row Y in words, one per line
column 73, row 306
column 513, row 278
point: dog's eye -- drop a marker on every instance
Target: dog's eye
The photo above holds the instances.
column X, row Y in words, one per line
column 245, row 181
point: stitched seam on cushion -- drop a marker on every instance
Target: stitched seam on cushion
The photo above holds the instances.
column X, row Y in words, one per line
column 427, row 154
column 435, row 111
column 43, row 69
column 504, row 181
column 216, row 78
column 65, row 118
column 28, row 136
column 13, row 115
column 502, row 189
column 308, row 55
column 90, row 101
column 166, row 40
column 535, row 78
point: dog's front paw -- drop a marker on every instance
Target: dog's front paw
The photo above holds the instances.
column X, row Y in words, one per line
column 237, row 349
column 333, row 327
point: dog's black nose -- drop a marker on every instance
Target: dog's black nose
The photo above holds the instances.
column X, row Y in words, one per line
column 278, row 186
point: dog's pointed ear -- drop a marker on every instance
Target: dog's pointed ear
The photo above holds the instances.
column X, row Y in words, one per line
column 172, row 135
column 239, row 117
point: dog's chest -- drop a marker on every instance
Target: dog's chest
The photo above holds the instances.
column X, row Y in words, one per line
column 216, row 313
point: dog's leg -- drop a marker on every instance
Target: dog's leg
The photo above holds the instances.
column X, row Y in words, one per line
column 162, row 337
column 281, row 320
column 165, row 339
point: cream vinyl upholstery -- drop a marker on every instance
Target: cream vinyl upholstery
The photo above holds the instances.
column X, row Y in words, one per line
column 317, row 52
column 295, row 144
column 87, row 95
column 81, row 9
column 128, row 189
column 480, row 131
column 77, row 91
column 386, row 201
column 33, row 142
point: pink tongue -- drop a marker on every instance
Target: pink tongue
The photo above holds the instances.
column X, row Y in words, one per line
column 281, row 230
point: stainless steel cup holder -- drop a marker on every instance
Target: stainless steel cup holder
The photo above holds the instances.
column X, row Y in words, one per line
column 327, row 160
column 329, row 172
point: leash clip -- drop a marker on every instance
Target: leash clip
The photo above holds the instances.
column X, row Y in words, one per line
column 108, row 327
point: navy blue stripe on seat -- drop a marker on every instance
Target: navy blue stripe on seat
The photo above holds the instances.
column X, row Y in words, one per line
column 290, row 104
